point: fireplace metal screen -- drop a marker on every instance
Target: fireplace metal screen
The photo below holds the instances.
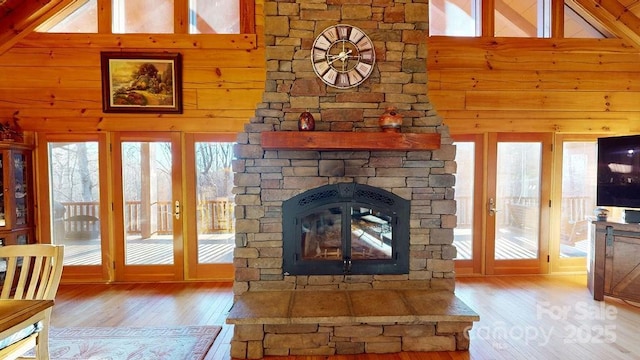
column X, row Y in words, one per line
column 346, row 228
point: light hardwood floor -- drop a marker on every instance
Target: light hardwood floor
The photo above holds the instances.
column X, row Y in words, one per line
column 522, row 317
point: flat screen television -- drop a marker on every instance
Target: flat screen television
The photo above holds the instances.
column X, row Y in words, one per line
column 619, row 171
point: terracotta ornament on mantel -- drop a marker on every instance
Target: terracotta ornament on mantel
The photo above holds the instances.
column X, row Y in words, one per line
column 306, row 122
column 390, row 120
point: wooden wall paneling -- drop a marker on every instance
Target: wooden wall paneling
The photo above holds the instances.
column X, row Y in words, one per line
column 229, row 98
column 130, row 42
column 534, row 124
column 556, row 85
column 51, row 77
column 542, row 80
column 59, row 88
column 448, row 99
column 224, row 78
column 550, row 101
column 585, row 116
column 215, row 121
column 532, row 60
column 444, row 44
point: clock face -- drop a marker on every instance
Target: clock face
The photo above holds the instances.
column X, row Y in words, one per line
column 343, row 56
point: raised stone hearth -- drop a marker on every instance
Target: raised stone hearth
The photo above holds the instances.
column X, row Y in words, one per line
column 280, row 313
column 330, row 322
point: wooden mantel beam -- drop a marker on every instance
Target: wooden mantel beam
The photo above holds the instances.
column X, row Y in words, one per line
column 333, row 141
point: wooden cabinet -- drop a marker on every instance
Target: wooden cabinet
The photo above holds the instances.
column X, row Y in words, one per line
column 16, row 196
column 614, row 260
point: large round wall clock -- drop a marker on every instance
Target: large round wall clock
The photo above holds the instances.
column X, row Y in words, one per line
column 343, row 56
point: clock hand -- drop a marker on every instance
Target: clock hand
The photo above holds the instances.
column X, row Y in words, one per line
column 342, row 56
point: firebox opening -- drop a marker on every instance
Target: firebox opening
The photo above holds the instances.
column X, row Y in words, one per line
column 346, row 229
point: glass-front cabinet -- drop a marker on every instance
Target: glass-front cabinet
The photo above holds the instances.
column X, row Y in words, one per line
column 16, row 197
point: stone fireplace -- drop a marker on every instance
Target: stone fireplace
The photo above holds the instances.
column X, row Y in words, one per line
column 408, row 305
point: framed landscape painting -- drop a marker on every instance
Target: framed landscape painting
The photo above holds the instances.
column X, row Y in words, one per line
column 141, row 82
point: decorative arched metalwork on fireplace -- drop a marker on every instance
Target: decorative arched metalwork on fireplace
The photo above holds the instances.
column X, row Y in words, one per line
column 346, row 228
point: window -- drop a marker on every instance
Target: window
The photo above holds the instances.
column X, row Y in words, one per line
column 505, row 18
column 155, row 17
column 523, row 18
column 142, row 16
column 80, row 18
column 205, row 17
column 454, row 17
column 579, row 165
column 579, row 25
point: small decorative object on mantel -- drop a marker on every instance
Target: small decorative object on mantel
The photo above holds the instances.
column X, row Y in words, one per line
column 306, row 122
column 10, row 132
column 390, row 120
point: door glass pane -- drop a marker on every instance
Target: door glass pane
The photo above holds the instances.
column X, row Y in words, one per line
column 454, row 17
column 147, row 198
column 463, row 232
column 518, row 200
column 579, row 165
column 215, row 202
column 75, row 193
column 22, row 192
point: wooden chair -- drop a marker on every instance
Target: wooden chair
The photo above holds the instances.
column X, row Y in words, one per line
column 33, row 272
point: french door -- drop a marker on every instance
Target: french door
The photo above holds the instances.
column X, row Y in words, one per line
column 503, row 196
column 148, row 206
column 174, row 218
column 72, row 175
column 157, row 206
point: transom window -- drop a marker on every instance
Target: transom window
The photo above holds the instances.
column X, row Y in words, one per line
column 154, row 16
column 510, row 18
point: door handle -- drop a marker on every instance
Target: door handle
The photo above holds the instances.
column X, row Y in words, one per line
column 176, row 210
column 492, row 207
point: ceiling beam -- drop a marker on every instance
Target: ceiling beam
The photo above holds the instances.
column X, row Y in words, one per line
column 23, row 19
column 615, row 17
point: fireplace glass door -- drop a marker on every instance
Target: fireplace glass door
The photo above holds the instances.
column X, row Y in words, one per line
column 370, row 235
column 335, row 232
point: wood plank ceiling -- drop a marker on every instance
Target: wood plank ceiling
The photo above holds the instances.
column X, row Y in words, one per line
column 20, row 17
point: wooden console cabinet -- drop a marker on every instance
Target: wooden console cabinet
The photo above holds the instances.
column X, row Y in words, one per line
column 613, row 263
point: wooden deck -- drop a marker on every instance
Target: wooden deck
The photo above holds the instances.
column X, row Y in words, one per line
column 216, row 248
column 514, row 244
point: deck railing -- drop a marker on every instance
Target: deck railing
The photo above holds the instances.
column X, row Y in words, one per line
column 81, row 219
column 515, row 210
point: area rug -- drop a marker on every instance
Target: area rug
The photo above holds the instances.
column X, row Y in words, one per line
column 128, row 343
